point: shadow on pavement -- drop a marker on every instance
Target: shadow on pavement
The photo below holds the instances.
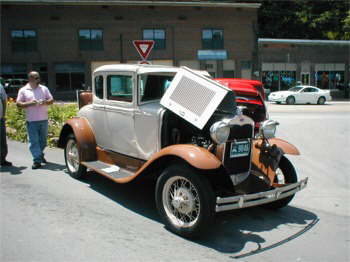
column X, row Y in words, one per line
column 137, row 196
column 231, row 231
column 235, row 229
column 13, row 170
column 53, row 166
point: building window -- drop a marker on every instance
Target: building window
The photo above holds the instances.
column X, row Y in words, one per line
column 90, row 39
column 24, row 40
column 69, row 76
column 15, row 76
column 158, row 35
column 213, row 38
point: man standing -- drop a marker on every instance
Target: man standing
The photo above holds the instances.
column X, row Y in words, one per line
column 35, row 98
column 3, row 149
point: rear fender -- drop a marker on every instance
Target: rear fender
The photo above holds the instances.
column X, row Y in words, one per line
column 84, row 135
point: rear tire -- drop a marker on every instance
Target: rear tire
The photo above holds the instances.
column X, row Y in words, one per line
column 285, row 174
column 185, row 201
column 72, row 158
column 290, row 100
column 321, row 100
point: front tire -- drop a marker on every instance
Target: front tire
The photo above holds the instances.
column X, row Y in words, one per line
column 285, row 174
column 290, row 100
column 185, row 201
column 72, row 159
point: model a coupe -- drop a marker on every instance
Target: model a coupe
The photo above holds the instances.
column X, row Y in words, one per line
column 186, row 132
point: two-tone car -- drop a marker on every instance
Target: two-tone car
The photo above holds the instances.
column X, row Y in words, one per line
column 184, row 131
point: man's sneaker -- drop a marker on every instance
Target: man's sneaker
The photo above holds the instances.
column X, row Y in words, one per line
column 36, row 165
column 6, row 163
column 43, row 160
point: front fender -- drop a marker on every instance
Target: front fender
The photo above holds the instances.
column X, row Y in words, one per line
column 286, row 147
column 264, row 167
column 84, row 135
column 196, row 156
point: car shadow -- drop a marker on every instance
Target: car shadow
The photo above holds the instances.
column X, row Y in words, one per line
column 233, row 230
column 137, row 196
column 230, row 232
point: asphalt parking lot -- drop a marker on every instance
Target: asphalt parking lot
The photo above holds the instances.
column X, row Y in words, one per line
column 48, row 216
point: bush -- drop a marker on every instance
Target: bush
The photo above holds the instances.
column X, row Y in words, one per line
column 58, row 115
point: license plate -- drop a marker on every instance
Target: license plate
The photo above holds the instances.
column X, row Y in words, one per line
column 240, row 148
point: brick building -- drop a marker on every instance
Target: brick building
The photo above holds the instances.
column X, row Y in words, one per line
column 65, row 40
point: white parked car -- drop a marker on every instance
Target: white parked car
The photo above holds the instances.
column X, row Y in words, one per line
column 301, row 95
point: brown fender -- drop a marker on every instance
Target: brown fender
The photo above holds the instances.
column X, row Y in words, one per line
column 286, row 147
column 84, row 136
column 197, row 157
column 263, row 167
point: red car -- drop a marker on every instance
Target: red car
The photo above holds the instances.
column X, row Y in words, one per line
column 257, row 84
column 249, row 94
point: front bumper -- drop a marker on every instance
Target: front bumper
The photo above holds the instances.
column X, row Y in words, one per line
column 249, row 200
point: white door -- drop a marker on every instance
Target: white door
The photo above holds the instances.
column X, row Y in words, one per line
column 119, row 114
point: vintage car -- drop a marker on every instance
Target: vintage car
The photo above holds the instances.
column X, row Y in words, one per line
column 185, row 131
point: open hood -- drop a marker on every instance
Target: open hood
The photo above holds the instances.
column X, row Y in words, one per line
column 193, row 96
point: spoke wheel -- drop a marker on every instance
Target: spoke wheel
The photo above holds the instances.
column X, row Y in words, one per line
column 185, row 201
column 181, row 201
column 285, row 174
column 71, row 155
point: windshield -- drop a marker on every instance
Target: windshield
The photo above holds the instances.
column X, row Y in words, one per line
column 295, row 88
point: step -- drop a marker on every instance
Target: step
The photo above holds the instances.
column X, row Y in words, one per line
column 108, row 169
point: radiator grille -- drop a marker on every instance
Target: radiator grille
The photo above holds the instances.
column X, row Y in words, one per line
column 192, row 96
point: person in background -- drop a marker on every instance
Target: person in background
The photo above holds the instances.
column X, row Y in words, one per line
column 35, row 98
column 3, row 148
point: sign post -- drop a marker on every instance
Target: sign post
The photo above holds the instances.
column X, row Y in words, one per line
column 144, row 48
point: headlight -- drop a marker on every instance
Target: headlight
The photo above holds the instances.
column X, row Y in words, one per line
column 220, row 132
column 268, row 128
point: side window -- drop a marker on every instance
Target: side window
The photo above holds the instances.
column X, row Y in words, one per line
column 99, row 86
column 119, row 88
column 153, row 87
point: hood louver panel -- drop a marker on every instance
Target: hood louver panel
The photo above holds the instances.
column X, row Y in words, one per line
column 193, row 97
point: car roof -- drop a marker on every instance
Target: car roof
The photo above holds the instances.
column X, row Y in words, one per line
column 138, row 68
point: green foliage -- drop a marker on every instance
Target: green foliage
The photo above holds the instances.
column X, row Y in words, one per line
column 305, row 19
column 58, row 115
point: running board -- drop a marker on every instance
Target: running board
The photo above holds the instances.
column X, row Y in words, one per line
column 108, row 170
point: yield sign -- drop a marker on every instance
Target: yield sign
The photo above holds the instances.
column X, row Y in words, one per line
column 143, row 47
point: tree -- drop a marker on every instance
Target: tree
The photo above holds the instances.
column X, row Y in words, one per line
column 306, row 19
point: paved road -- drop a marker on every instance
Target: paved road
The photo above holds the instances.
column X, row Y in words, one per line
column 48, row 216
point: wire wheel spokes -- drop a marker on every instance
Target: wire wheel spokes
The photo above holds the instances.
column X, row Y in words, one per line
column 181, row 201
